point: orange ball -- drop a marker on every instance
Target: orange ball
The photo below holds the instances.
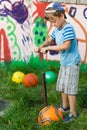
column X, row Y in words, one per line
column 30, row 80
column 49, row 114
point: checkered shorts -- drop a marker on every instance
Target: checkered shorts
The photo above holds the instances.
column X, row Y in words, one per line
column 67, row 81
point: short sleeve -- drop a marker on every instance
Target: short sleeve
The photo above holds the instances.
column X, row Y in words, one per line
column 68, row 33
column 52, row 35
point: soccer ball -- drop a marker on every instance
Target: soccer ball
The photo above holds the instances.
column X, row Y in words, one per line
column 49, row 114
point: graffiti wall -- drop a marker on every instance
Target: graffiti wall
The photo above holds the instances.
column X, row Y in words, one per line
column 15, row 35
column 22, row 27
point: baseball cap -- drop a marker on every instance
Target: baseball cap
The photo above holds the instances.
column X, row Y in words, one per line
column 55, row 7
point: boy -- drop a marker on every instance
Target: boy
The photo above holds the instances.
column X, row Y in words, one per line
column 65, row 37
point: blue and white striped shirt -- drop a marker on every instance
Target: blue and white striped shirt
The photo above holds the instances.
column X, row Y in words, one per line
column 70, row 56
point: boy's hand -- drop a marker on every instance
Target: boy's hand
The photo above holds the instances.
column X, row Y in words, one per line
column 44, row 50
column 37, row 49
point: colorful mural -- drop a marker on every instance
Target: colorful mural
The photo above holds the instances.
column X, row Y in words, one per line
column 15, row 38
column 22, row 27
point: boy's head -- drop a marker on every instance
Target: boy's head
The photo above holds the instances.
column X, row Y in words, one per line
column 54, row 10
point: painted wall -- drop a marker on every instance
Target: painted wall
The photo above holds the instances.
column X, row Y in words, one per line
column 22, row 27
column 15, row 33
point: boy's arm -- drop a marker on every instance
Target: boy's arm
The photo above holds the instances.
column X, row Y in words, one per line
column 45, row 44
column 60, row 47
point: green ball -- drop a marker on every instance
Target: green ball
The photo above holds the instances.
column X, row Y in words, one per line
column 50, row 77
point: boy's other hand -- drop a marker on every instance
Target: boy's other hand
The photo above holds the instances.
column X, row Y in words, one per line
column 37, row 50
column 44, row 50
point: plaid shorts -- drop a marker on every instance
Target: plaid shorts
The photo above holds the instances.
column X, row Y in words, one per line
column 67, row 81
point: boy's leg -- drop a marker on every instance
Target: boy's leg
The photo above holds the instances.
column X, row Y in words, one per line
column 73, row 114
column 64, row 107
column 64, row 100
column 72, row 103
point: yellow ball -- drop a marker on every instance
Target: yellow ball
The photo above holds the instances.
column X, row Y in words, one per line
column 17, row 77
column 48, row 115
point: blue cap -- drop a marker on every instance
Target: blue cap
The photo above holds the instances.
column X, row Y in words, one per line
column 55, row 6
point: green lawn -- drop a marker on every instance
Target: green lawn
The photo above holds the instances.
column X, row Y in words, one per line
column 25, row 103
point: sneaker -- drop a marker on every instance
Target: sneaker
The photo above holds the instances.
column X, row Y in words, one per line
column 64, row 109
column 70, row 118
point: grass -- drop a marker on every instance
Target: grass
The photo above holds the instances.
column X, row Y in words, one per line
column 25, row 103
